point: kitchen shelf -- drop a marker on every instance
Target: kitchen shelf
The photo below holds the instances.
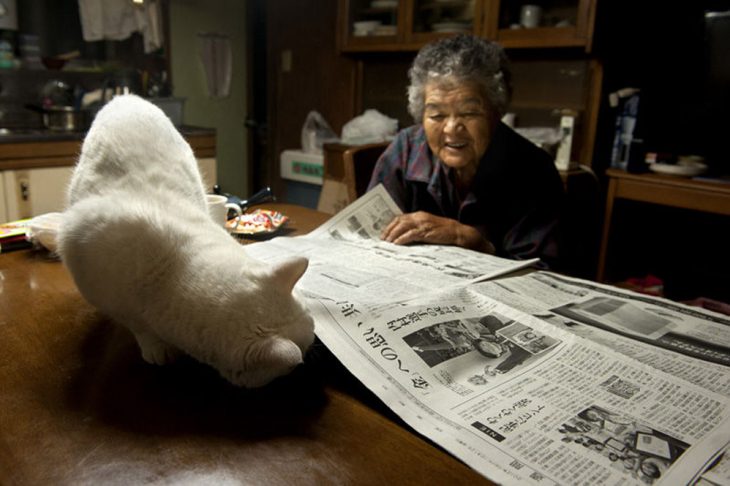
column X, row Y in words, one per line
column 493, row 19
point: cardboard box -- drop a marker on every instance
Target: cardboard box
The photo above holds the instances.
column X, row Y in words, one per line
column 297, row 165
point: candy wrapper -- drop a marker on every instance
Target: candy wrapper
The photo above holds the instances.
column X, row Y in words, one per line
column 258, row 222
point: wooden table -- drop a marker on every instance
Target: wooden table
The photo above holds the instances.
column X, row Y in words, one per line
column 661, row 189
column 79, row 406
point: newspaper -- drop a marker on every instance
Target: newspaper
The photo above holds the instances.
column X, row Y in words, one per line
column 347, row 259
column 529, row 379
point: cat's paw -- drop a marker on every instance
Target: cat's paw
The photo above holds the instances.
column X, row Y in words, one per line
column 155, row 351
column 160, row 355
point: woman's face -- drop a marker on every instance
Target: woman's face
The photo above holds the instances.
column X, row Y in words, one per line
column 458, row 124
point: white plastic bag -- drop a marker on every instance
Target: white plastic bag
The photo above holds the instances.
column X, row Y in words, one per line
column 43, row 230
column 370, row 127
column 316, row 132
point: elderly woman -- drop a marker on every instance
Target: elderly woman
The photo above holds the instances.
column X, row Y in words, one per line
column 462, row 176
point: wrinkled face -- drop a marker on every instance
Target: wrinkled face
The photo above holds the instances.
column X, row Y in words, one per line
column 457, row 123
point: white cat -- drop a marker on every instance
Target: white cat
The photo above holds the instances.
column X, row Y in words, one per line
column 141, row 247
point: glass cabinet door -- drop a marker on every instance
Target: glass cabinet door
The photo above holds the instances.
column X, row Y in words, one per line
column 406, row 25
column 371, row 22
column 436, row 18
column 546, row 23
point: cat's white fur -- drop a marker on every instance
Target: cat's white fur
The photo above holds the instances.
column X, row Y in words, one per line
column 141, row 247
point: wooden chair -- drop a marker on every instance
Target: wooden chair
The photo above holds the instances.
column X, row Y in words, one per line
column 347, row 172
column 359, row 163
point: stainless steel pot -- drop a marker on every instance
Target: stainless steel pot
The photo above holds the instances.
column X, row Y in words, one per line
column 63, row 118
column 66, row 119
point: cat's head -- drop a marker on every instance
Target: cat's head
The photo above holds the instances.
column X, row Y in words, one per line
column 281, row 329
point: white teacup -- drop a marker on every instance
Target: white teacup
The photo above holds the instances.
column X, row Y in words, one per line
column 218, row 207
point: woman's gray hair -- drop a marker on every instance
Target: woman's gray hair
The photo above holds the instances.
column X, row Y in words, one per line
column 460, row 59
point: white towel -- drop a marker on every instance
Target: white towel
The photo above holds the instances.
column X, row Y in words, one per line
column 118, row 19
column 217, row 59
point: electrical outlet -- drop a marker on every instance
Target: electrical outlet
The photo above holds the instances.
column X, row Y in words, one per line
column 23, row 194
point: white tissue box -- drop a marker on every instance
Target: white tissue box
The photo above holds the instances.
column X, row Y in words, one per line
column 297, row 165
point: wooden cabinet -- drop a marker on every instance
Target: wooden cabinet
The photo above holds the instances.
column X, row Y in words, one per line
column 34, row 175
column 392, row 25
column 553, row 71
column 546, row 88
column 30, row 192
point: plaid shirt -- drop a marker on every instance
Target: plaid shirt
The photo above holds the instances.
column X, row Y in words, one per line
column 515, row 200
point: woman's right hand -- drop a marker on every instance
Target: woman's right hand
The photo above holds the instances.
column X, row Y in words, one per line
column 423, row 227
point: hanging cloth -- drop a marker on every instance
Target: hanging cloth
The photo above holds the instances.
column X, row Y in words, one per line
column 118, row 19
column 216, row 57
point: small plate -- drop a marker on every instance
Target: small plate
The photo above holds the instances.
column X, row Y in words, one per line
column 258, row 222
column 684, row 169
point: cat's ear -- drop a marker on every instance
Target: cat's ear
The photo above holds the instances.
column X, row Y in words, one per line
column 288, row 272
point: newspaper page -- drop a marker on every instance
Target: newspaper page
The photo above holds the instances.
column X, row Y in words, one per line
column 684, row 341
column 364, row 220
column 347, row 259
column 492, row 371
column 522, row 401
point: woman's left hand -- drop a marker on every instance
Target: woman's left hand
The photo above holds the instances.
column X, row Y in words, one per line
column 423, row 227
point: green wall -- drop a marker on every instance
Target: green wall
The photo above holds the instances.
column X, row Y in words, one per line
column 226, row 115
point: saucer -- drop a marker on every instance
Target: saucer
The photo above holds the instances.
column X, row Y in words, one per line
column 683, row 169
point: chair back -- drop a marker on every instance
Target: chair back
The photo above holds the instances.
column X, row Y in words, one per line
column 347, row 172
column 359, row 162
column 581, row 223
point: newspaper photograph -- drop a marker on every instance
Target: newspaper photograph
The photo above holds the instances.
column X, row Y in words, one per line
column 547, row 296
column 528, row 377
column 680, row 328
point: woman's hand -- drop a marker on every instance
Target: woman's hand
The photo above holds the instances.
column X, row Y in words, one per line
column 423, row 227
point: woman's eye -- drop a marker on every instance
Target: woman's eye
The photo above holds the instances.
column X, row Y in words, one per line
column 437, row 117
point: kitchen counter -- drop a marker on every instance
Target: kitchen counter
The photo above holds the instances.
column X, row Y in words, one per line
column 16, row 135
column 37, row 147
column 36, row 166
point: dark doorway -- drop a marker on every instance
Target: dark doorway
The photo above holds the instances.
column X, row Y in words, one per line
column 257, row 119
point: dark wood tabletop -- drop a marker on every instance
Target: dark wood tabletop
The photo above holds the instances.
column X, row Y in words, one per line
column 78, row 405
